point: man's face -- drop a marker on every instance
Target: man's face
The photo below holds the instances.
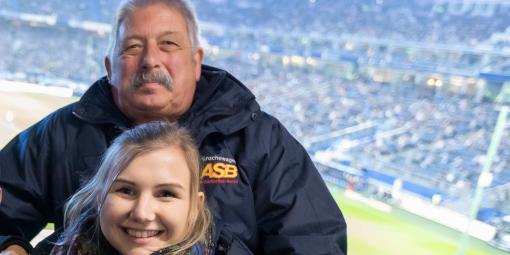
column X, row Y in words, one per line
column 153, row 69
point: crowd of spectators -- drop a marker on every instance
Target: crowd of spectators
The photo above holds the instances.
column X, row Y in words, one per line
column 37, row 51
column 336, row 30
column 432, row 21
column 440, row 136
column 416, row 131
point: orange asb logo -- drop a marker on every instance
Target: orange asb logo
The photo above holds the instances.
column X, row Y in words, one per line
column 220, row 170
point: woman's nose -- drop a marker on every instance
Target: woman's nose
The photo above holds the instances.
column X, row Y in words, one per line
column 143, row 209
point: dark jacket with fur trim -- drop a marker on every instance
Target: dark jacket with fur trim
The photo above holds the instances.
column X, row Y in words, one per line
column 258, row 179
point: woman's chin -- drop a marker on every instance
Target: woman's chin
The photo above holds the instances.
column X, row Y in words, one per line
column 139, row 251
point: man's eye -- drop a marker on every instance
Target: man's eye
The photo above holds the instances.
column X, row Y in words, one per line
column 132, row 47
column 168, row 43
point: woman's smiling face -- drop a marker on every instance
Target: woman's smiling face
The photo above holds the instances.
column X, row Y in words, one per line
column 147, row 206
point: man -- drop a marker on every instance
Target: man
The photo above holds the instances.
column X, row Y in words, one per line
column 257, row 177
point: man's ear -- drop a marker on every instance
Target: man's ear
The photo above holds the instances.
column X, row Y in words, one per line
column 197, row 59
column 108, row 67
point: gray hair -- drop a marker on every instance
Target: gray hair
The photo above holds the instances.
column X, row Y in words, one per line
column 183, row 6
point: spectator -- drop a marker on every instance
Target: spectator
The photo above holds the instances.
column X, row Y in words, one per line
column 149, row 180
column 258, row 179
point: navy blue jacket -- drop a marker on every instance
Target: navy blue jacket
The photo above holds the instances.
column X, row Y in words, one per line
column 223, row 243
column 258, row 179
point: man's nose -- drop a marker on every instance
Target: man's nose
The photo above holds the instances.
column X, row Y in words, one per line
column 151, row 58
column 143, row 209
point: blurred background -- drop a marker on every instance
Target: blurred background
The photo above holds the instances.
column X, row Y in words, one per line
column 401, row 104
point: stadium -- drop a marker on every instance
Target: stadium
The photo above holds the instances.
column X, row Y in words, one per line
column 401, row 104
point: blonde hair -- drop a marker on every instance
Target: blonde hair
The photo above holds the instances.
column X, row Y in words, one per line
column 86, row 203
column 128, row 6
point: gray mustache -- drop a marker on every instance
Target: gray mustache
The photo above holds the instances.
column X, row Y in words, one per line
column 155, row 76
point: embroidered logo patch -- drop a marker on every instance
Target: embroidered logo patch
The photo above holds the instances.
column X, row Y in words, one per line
column 219, row 169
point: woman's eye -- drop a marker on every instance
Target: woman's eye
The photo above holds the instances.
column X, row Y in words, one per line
column 167, row 193
column 125, row 190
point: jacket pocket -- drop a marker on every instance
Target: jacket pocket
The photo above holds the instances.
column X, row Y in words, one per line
column 230, row 244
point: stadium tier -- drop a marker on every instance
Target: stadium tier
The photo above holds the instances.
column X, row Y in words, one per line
column 432, row 134
column 435, row 21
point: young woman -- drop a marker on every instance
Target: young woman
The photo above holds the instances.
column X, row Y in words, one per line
column 144, row 199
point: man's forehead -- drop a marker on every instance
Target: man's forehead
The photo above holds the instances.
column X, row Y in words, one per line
column 157, row 11
column 162, row 34
column 163, row 20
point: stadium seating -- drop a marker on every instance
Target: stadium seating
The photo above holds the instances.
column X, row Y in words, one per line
column 438, row 140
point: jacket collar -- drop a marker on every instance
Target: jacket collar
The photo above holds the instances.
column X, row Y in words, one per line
column 97, row 106
column 221, row 104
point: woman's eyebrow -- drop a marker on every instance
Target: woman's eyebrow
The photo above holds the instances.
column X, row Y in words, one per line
column 123, row 181
column 170, row 185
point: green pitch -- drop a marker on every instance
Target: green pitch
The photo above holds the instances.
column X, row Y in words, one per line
column 373, row 232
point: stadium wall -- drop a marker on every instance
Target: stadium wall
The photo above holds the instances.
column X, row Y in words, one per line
column 25, row 87
column 415, row 199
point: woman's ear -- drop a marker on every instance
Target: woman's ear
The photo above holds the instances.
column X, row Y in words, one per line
column 201, row 197
column 194, row 213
